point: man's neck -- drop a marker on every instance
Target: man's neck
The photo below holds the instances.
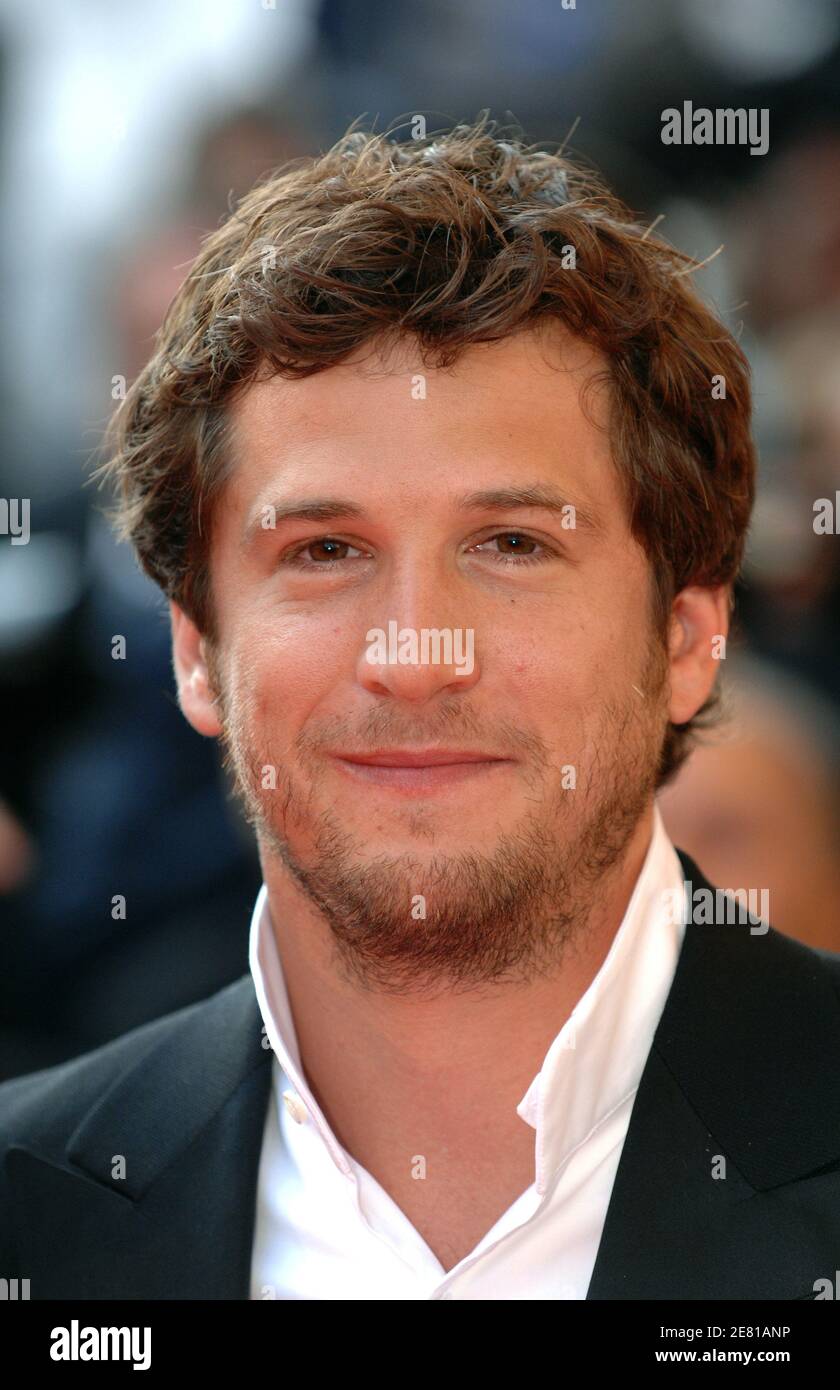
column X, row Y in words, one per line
column 394, row 1072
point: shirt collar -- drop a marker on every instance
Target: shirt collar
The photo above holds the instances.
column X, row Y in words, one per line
column 279, row 1027
column 596, row 1060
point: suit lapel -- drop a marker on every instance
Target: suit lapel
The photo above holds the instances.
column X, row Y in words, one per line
column 748, row 1015
column 187, row 1121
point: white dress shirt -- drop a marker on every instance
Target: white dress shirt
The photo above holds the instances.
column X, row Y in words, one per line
column 326, row 1229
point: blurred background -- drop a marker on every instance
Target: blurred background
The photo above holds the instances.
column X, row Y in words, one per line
column 127, row 132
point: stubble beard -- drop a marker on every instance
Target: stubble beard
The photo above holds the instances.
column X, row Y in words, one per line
column 457, row 921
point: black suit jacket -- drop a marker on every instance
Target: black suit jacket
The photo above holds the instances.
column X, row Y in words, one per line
column 745, row 1064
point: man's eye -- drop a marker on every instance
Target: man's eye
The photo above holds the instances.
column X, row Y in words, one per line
column 326, row 552
column 517, row 548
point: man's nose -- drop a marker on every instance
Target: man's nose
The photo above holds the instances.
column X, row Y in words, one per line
column 415, row 662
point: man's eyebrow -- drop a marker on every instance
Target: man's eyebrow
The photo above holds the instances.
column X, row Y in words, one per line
column 538, row 495
column 305, row 509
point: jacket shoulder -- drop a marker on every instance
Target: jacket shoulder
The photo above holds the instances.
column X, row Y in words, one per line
column 828, row 961
column 44, row 1107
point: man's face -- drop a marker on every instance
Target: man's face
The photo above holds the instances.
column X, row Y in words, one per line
column 473, row 871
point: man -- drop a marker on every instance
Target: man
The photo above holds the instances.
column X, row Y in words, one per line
column 433, row 463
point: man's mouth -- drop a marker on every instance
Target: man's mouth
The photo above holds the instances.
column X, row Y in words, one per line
column 416, row 770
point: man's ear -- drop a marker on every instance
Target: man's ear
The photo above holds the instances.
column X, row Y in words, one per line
column 696, row 647
column 195, row 691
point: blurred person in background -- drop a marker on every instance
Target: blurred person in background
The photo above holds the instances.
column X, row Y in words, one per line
column 787, row 249
column 758, row 799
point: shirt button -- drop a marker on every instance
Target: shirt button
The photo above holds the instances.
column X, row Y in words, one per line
column 295, row 1106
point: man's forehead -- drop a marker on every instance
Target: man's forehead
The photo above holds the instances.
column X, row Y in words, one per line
column 505, row 416
column 537, row 361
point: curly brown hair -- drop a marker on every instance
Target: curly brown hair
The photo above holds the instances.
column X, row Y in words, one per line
column 457, row 238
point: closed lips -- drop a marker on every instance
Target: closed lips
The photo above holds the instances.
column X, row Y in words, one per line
column 431, row 758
